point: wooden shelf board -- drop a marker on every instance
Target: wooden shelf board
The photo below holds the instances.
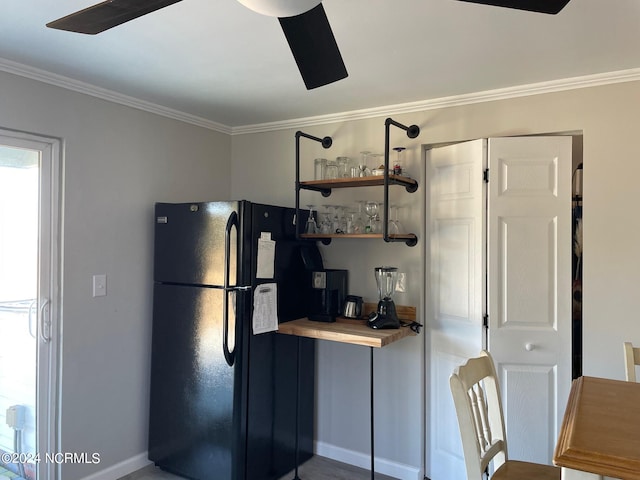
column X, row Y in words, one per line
column 320, row 236
column 371, row 181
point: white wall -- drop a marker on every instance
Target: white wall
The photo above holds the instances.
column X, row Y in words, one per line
column 117, row 162
column 609, row 118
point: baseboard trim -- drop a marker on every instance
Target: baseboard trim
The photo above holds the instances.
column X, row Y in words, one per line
column 386, row 467
column 358, row 459
column 121, row 469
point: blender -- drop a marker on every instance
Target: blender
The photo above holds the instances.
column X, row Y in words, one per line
column 385, row 316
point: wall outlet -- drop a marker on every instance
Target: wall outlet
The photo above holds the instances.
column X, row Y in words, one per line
column 401, row 285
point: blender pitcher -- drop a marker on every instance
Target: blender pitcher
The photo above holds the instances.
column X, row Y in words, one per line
column 385, row 316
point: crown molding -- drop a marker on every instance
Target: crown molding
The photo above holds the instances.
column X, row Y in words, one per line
column 387, row 110
column 104, row 94
column 453, row 101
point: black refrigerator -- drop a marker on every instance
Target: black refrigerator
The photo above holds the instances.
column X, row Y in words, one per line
column 223, row 399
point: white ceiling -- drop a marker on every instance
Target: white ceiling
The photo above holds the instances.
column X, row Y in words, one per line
column 223, row 63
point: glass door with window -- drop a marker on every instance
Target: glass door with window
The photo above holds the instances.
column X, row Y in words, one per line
column 25, row 310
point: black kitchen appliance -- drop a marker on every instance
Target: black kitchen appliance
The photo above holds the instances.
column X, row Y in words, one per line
column 329, row 290
column 222, row 397
column 386, row 315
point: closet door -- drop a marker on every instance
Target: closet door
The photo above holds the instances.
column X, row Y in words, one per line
column 500, row 248
column 529, row 287
column 455, row 289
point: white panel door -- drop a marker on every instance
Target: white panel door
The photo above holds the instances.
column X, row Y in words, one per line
column 504, row 251
column 529, row 287
column 455, row 289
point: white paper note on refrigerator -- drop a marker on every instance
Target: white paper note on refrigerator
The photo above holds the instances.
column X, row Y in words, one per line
column 265, row 308
column 266, row 256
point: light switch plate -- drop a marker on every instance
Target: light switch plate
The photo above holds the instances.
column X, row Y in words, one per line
column 100, row 285
column 401, row 285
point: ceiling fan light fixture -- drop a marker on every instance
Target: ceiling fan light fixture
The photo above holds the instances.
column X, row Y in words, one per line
column 280, row 8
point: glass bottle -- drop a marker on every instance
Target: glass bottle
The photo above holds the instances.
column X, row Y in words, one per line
column 397, row 166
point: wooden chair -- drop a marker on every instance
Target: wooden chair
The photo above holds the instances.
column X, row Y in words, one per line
column 476, row 394
column 631, row 359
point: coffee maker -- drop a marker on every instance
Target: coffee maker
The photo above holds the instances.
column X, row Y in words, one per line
column 385, row 316
column 328, row 293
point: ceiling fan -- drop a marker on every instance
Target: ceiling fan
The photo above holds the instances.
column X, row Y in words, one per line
column 304, row 23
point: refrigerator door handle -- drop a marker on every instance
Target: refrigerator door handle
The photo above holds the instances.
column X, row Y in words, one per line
column 229, row 355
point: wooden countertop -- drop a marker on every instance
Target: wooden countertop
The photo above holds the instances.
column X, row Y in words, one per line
column 344, row 332
column 600, row 432
column 351, row 331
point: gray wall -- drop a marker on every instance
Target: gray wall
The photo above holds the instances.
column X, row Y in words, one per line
column 117, row 162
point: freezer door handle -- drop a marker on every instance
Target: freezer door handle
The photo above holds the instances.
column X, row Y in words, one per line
column 229, row 355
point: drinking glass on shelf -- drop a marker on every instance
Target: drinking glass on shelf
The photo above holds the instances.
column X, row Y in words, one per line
column 355, row 223
column 325, row 223
column 342, row 214
column 371, row 209
column 343, row 166
column 328, row 220
column 365, row 171
column 378, row 221
column 311, row 226
column 336, row 222
column 348, row 217
column 319, row 168
column 360, row 215
column 395, row 227
column 378, row 159
column 331, row 171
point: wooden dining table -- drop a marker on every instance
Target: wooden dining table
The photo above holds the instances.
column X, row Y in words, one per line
column 600, row 432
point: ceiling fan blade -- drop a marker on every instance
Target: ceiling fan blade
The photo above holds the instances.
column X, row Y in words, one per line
column 314, row 47
column 105, row 15
column 540, row 6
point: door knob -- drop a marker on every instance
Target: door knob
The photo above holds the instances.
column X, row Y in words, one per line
column 529, row 346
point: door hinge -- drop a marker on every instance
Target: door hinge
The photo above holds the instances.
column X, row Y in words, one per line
column 485, row 321
column 485, row 175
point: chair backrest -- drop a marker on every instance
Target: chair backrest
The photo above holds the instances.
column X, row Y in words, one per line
column 631, row 359
column 476, row 395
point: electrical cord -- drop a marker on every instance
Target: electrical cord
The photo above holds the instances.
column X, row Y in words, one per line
column 414, row 326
